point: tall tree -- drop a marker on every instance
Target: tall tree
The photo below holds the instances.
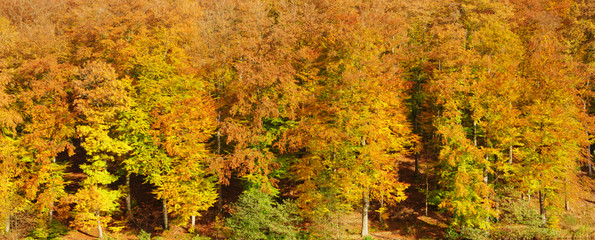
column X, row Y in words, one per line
column 479, row 92
column 170, row 124
column 354, row 127
column 100, row 97
column 10, row 119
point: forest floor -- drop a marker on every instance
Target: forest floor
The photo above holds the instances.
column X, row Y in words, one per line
column 407, row 220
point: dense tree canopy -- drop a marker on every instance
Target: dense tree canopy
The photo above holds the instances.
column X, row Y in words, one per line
column 312, row 101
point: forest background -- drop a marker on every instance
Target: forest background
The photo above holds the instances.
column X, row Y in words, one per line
column 275, row 119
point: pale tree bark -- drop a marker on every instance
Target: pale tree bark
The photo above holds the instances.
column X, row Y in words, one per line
column 7, row 223
column 128, row 197
column 510, row 158
column 99, row 229
column 485, row 174
column 566, row 205
column 475, row 133
column 51, row 213
column 193, row 221
column 165, row 222
column 366, row 206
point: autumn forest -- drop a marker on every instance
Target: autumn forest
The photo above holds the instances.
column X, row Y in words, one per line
column 288, row 119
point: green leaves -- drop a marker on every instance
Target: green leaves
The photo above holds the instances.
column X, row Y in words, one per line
column 257, row 216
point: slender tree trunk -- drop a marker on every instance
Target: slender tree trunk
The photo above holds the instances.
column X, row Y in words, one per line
column 589, row 161
column 165, row 222
column 99, row 226
column 380, row 213
column 51, row 212
column 220, row 189
column 193, row 221
column 426, row 193
column 475, row 133
column 566, row 206
column 219, row 132
column 486, row 180
column 485, row 175
column 510, row 158
column 366, row 205
column 7, row 223
column 541, row 208
column 128, row 197
column 415, row 130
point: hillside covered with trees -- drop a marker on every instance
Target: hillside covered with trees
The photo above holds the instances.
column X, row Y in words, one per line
column 275, row 119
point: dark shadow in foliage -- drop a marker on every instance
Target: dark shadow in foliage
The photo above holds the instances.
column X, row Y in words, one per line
column 408, row 217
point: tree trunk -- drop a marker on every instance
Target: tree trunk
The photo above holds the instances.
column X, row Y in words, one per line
column 426, row 193
column 510, row 152
column 366, row 205
column 566, row 206
column 193, row 222
column 589, row 161
column 220, row 190
column 7, row 223
column 485, row 175
column 475, row 133
column 486, row 180
column 589, row 164
column 100, row 231
column 380, row 213
column 415, row 131
column 128, row 197
column 51, row 212
column 541, row 208
column 165, row 223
